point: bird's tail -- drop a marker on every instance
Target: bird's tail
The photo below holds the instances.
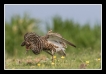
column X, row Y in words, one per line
column 68, row 42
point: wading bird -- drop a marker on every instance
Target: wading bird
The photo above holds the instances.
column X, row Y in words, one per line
column 50, row 43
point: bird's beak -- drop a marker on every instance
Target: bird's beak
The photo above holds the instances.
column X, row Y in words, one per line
column 23, row 43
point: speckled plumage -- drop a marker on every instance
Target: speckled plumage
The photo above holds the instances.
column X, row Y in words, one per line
column 50, row 43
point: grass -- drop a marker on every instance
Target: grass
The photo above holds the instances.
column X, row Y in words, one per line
column 85, row 59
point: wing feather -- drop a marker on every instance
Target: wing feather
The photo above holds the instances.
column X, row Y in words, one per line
column 57, row 38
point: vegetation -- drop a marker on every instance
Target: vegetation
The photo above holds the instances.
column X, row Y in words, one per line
column 87, row 55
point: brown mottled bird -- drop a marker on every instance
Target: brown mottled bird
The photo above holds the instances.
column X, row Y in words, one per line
column 50, row 43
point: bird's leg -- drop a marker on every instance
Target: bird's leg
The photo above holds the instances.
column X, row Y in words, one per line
column 52, row 56
column 52, row 59
column 64, row 53
column 48, row 52
column 26, row 51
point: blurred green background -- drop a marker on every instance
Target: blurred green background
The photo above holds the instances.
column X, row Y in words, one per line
column 83, row 36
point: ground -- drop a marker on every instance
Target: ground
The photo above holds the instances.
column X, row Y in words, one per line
column 85, row 59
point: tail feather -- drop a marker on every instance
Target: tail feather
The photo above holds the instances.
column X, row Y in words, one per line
column 68, row 42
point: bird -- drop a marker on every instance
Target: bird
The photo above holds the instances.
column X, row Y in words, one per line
column 51, row 43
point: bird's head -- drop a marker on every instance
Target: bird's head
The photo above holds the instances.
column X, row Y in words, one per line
column 29, row 39
column 26, row 41
column 27, row 44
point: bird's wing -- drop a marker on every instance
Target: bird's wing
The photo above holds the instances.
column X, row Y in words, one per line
column 57, row 39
